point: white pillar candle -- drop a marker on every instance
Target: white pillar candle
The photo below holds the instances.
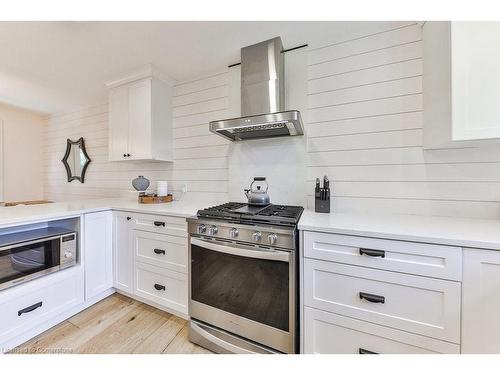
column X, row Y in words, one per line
column 162, row 188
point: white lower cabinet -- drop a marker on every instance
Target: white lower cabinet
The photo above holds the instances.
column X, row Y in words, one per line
column 27, row 307
column 151, row 259
column 481, row 302
column 123, row 257
column 329, row 333
column 162, row 286
column 366, row 295
column 415, row 304
column 98, row 253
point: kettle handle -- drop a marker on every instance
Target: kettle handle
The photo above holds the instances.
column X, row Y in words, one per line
column 255, row 179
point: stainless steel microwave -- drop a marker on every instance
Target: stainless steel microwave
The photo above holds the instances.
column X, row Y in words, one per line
column 27, row 255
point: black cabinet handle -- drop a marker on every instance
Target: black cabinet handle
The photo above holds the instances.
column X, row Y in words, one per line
column 159, row 251
column 159, row 223
column 372, row 252
column 128, row 155
column 159, row 287
column 128, row 218
column 372, row 297
column 124, row 155
column 364, row 351
column 29, row 308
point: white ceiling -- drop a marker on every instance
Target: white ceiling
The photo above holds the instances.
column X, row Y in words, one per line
column 53, row 67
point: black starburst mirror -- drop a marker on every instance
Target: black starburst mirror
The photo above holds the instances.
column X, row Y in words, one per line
column 76, row 160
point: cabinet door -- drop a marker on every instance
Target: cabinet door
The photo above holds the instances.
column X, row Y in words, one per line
column 481, row 302
column 98, row 253
column 118, row 123
column 140, row 120
column 122, row 251
column 475, row 62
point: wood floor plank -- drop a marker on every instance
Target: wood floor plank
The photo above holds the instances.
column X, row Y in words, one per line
column 158, row 341
column 181, row 345
column 57, row 340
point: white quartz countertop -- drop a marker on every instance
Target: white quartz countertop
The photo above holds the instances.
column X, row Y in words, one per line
column 478, row 233
column 41, row 212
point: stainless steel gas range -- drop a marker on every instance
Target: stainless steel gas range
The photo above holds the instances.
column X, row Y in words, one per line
column 243, row 293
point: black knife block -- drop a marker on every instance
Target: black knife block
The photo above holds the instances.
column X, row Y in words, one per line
column 322, row 200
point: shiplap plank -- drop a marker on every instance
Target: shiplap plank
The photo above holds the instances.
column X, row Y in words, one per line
column 191, row 131
column 488, row 192
column 369, row 43
column 202, row 107
column 391, row 55
column 390, row 139
column 466, row 172
column 376, row 107
column 374, row 206
column 183, row 88
column 379, row 90
column 399, row 121
column 200, row 118
column 405, row 69
column 199, row 152
column 201, row 141
column 200, row 96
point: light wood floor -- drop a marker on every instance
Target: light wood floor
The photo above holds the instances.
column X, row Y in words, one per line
column 117, row 324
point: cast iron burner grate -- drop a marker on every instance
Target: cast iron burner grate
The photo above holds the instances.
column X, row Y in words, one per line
column 272, row 214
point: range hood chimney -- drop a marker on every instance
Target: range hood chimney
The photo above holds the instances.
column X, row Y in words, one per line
column 262, row 97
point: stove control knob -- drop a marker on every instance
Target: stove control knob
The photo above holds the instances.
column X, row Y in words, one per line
column 272, row 238
column 202, row 228
column 257, row 236
column 68, row 254
column 233, row 233
column 213, row 230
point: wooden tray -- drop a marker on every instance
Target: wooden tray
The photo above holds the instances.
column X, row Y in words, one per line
column 149, row 199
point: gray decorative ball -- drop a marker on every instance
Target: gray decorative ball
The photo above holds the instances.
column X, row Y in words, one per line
column 140, row 183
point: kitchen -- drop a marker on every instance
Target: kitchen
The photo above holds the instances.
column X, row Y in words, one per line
column 326, row 187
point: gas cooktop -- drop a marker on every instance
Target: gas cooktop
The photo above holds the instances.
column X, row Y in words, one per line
column 272, row 213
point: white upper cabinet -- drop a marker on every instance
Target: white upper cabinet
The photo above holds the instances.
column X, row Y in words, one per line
column 461, row 80
column 140, row 119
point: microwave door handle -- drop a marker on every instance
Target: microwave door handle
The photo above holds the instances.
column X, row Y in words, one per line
column 282, row 256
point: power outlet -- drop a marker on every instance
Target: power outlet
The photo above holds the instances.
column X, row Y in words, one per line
column 184, row 188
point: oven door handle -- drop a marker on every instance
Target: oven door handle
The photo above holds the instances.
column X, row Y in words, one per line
column 282, row 256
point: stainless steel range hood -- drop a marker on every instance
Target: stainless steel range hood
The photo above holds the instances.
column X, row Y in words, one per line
column 262, row 97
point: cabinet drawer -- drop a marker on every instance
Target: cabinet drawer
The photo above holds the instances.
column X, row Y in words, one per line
column 46, row 298
column 174, row 226
column 161, row 250
column 421, row 305
column 328, row 333
column 162, row 286
column 443, row 262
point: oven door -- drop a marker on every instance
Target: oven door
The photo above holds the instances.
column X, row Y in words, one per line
column 246, row 290
column 26, row 261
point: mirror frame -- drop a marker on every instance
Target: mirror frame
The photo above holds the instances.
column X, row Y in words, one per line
column 81, row 144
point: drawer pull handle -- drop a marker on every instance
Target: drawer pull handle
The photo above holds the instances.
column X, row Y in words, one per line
column 372, row 297
column 128, row 218
column 159, row 251
column 372, row 252
column 29, row 308
column 159, row 223
column 159, row 287
column 364, row 351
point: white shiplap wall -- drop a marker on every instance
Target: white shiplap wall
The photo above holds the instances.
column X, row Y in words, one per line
column 365, row 133
column 364, row 130
column 200, row 159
